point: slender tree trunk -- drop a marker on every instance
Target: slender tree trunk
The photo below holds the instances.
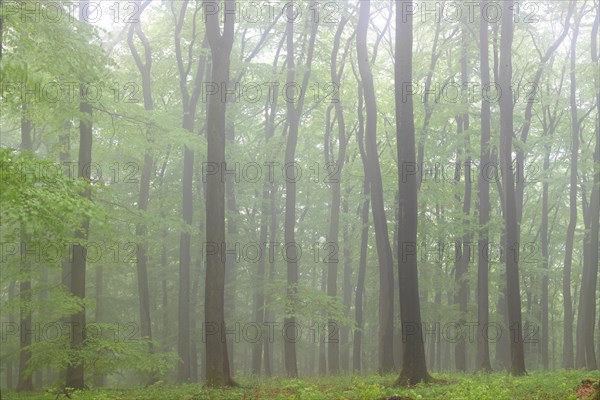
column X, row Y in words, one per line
column 483, row 350
column 322, row 349
column 269, row 314
column 231, row 259
column 189, row 103
column 364, row 239
column 294, row 112
column 11, row 320
column 544, row 337
column 25, row 383
column 260, row 312
column 347, row 283
column 144, row 68
column 382, row 241
column 567, row 299
column 75, row 371
column 194, row 373
column 462, row 265
column 333, row 346
column 510, row 215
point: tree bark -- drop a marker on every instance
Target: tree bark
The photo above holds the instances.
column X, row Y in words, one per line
column 189, row 102
column 567, row 299
column 414, row 368
column 144, row 68
column 75, row 371
column 333, row 346
column 483, row 350
column 25, row 382
column 364, row 239
column 217, row 361
column 510, row 214
column 293, row 120
column 588, row 329
column 382, row 241
column 464, row 247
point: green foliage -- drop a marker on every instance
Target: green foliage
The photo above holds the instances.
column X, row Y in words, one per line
column 35, row 193
column 556, row 386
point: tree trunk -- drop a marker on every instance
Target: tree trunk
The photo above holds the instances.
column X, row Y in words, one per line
column 364, row 240
column 269, row 314
column 189, row 103
column 293, row 120
column 414, row 368
column 144, row 68
column 75, row 371
column 510, row 214
column 382, row 241
column 333, row 345
column 347, row 284
column 217, row 361
column 567, row 299
column 588, row 329
column 25, row 383
column 231, row 259
column 462, row 264
column 483, row 350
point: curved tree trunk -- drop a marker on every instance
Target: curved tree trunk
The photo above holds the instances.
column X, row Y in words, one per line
column 141, row 230
column 364, row 240
column 382, row 241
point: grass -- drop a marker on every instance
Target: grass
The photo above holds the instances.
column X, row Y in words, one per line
column 559, row 385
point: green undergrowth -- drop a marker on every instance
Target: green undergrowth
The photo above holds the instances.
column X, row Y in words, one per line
column 497, row 386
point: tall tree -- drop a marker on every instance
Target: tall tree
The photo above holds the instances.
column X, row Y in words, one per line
column 25, row 382
column 414, row 368
column 575, row 129
column 382, row 241
column 550, row 122
column 189, row 102
column 333, row 346
column 364, row 239
column 145, row 68
column 75, row 371
column 294, row 112
column 483, row 350
column 588, row 315
column 259, row 296
column 217, row 362
column 463, row 246
column 510, row 207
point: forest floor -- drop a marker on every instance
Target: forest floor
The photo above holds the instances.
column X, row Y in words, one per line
column 498, row 386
